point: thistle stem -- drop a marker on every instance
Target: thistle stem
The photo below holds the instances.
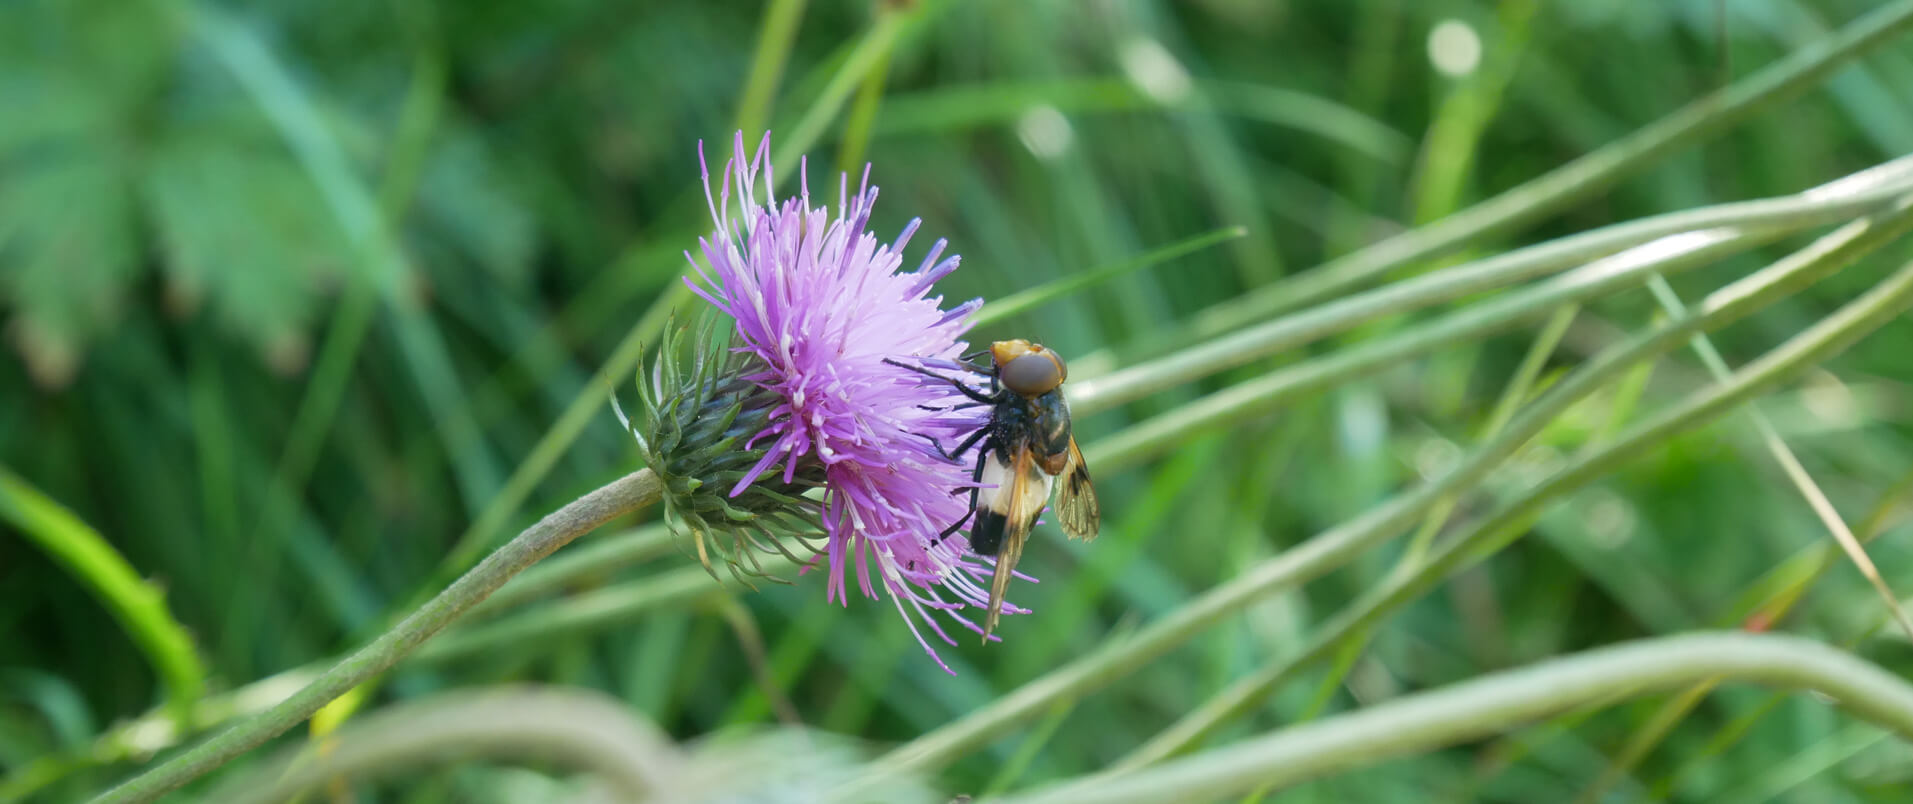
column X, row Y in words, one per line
column 620, row 497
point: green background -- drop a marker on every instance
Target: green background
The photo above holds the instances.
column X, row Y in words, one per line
column 294, row 291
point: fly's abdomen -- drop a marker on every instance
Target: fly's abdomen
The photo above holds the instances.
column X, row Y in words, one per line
column 995, row 502
column 986, row 537
column 1050, row 431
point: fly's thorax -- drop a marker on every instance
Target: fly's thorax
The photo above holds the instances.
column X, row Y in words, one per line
column 1039, row 424
column 1010, row 422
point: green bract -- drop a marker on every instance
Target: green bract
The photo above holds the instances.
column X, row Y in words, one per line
column 697, row 416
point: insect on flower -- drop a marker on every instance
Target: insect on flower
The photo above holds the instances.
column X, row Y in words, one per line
column 1025, row 445
column 799, row 422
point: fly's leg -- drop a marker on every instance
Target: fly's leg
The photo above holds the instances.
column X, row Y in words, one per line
column 959, row 406
column 972, row 359
column 961, row 448
column 972, row 393
column 976, row 476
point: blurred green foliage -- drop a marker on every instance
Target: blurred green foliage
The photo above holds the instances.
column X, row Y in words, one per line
column 292, row 289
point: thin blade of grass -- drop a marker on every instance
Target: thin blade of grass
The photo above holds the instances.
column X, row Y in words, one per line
column 1031, row 298
column 1810, row 490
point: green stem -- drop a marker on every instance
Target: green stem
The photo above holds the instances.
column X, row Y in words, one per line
column 139, row 606
column 863, row 110
column 1339, row 545
column 620, row 497
column 1861, row 193
column 600, row 557
column 774, row 38
column 156, row 731
column 1029, row 298
column 1789, row 463
column 1539, row 352
column 1511, row 398
column 1582, row 178
column 1507, row 311
column 1818, row 342
column 614, row 604
column 1655, row 729
column 1504, row 700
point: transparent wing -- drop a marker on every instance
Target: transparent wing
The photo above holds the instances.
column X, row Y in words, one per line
column 1076, row 506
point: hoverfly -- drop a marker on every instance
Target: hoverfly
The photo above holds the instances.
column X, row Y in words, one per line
column 1024, row 447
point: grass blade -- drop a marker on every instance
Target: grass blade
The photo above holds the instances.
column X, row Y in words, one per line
column 139, row 606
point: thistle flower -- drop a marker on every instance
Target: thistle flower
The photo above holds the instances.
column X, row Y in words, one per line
column 807, row 398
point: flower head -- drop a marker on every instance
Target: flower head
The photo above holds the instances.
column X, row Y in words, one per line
column 823, row 312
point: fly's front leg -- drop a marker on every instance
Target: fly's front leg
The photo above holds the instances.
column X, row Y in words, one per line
column 972, row 360
column 972, row 393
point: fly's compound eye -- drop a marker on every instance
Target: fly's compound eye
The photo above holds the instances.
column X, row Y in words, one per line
column 1034, row 374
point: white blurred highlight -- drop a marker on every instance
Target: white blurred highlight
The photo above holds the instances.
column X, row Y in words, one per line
column 1046, row 132
column 1454, row 48
column 1155, row 71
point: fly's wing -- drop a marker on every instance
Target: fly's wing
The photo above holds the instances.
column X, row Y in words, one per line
column 1076, row 507
column 1005, row 517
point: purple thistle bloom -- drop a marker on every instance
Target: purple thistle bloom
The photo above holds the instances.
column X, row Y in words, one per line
column 820, row 305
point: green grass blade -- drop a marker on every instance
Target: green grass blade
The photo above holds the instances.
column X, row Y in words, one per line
column 139, row 606
column 1582, row 178
column 1491, row 703
column 1025, row 300
column 775, row 34
column 1837, row 201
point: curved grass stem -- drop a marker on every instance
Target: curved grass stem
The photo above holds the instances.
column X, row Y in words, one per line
column 1261, row 394
column 1503, row 700
column 1797, row 576
column 1509, row 522
column 1841, row 200
column 620, row 497
column 585, row 730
